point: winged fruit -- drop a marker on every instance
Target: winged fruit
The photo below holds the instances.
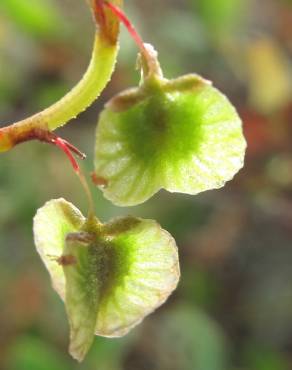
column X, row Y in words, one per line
column 182, row 135
column 110, row 275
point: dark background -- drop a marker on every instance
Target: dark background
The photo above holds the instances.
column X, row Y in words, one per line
column 233, row 307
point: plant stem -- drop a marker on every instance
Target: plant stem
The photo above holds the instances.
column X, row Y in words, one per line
column 68, row 148
column 82, row 95
column 84, row 183
column 150, row 64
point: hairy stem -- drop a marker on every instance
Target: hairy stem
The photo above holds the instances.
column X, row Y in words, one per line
column 84, row 93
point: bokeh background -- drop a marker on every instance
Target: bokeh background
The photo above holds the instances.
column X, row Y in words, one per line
column 233, row 307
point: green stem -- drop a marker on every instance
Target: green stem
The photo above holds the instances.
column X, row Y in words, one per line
column 87, row 90
column 82, row 95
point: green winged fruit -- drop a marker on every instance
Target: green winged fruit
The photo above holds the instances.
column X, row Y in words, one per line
column 110, row 275
column 182, row 135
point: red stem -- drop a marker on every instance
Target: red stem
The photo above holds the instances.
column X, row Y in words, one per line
column 67, row 148
column 74, row 149
column 130, row 27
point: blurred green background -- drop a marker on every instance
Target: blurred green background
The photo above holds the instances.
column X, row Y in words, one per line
column 233, row 307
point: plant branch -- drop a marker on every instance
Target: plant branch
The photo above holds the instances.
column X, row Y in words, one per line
column 83, row 94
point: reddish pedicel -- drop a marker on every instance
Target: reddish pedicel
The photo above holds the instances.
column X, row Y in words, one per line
column 130, row 27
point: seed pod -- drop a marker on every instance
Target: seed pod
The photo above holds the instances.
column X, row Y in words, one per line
column 181, row 135
column 120, row 271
